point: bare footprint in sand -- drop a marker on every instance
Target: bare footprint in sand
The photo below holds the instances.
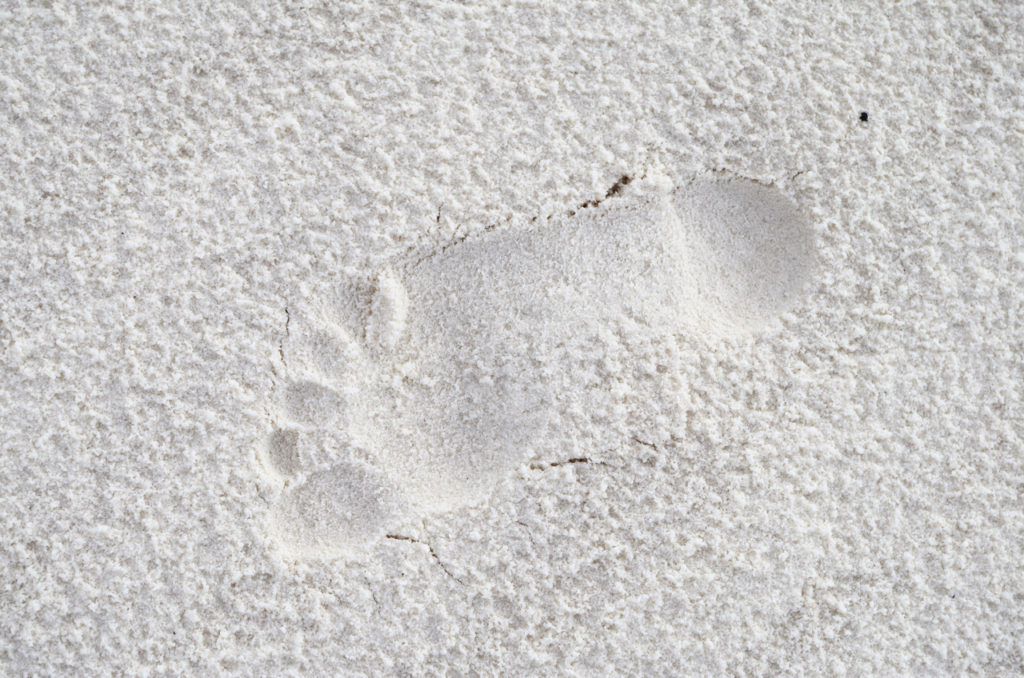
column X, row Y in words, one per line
column 418, row 391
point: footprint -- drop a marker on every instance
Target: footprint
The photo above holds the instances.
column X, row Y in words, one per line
column 449, row 370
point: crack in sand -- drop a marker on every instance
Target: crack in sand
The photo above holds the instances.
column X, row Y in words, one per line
column 430, row 548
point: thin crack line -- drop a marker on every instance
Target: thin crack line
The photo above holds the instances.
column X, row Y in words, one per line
column 574, row 460
column 646, row 444
column 287, row 333
column 529, row 532
column 373, row 594
column 616, row 189
column 433, row 553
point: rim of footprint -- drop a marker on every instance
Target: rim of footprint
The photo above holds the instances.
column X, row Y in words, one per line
column 417, row 391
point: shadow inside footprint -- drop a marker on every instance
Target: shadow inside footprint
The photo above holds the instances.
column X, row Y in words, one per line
column 282, row 452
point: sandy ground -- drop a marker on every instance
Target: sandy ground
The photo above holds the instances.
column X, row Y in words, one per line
column 580, row 339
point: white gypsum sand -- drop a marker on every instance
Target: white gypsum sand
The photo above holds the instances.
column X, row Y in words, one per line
column 334, row 341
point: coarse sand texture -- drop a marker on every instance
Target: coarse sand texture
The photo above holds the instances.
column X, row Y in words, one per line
column 554, row 338
column 444, row 373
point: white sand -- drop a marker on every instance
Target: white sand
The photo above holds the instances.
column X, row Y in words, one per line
column 588, row 340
